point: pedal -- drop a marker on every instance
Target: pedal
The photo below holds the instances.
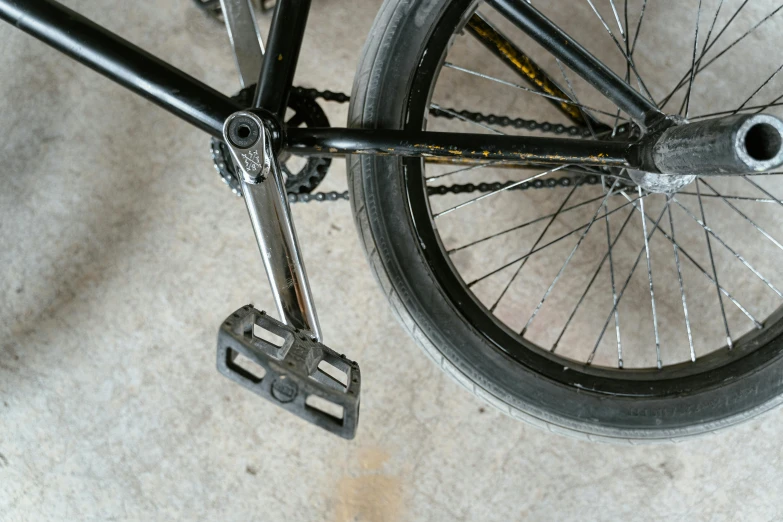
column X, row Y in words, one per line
column 290, row 368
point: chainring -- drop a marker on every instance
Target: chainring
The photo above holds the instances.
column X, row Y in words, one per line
column 306, row 111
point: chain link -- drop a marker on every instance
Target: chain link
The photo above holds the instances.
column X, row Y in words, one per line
column 505, row 121
column 476, row 117
column 566, row 181
column 318, row 196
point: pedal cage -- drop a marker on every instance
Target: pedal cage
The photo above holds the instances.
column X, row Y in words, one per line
column 298, row 373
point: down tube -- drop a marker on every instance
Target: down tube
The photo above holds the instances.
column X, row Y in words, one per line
column 121, row 61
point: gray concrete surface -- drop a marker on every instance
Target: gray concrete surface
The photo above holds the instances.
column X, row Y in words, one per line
column 119, row 250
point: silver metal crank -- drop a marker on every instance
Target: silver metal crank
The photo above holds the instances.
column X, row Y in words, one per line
column 267, row 205
column 283, row 362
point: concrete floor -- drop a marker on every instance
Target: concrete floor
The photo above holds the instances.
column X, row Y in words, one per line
column 120, row 250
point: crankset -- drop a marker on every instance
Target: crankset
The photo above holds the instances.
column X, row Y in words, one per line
column 298, row 181
column 299, row 373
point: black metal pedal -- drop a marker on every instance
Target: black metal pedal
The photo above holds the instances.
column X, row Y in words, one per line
column 291, row 369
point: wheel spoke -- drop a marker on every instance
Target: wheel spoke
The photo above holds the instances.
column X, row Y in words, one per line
column 758, row 108
column 526, row 89
column 638, row 27
column 523, row 225
column 585, row 113
column 628, row 58
column 738, row 198
column 763, row 84
column 539, row 249
column 627, row 62
column 617, row 19
column 464, row 169
column 627, row 37
column 709, row 35
column 712, row 27
column 540, row 238
column 495, row 192
column 650, row 278
column 682, row 287
column 773, row 103
column 592, row 280
column 693, row 65
column 568, row 259
column 724, row 51
column 614, row 290
column 696, row 264
column 744, row 216
column 762, row 189
column 714, row 269
column 627, row 281
column 704, row 51
column 712, row 233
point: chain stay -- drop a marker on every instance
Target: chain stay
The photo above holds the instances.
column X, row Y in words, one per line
column 477, row 117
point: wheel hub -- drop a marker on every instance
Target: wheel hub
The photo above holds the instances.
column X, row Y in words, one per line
column 660, row 183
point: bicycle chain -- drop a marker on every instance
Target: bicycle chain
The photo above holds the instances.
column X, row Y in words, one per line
column 476, row 117
column 566, row 181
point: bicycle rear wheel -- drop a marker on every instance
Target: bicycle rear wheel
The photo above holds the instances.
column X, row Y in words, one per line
column 649, row 328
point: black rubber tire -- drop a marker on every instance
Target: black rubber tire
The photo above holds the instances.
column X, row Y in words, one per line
column 393, row 52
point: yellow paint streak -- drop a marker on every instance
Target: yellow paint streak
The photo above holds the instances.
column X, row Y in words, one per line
column 522, row 63
column 427, row 146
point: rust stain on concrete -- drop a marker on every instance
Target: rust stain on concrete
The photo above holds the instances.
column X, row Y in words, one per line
column 370, row 494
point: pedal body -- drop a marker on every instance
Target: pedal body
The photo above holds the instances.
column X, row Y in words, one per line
column 291, row 369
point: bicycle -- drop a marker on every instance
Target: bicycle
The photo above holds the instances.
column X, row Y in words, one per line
column 516, row 283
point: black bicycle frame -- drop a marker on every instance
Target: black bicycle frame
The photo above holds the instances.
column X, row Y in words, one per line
column 207, row 109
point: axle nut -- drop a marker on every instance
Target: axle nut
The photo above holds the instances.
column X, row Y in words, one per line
column 284, row 389
column 243, row 132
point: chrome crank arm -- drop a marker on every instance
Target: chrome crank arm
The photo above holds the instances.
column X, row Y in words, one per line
column 245, row 38
column 267, row 204
column 297, row 373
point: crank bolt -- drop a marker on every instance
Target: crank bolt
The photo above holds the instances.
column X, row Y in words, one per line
column 243, row 132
